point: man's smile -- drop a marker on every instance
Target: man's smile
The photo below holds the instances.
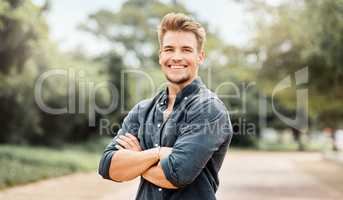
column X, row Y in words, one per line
column 177, row 66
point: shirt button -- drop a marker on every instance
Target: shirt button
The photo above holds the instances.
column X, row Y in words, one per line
column 160, row 189
column 158, row 125
column 156, row 145
column 186, row 98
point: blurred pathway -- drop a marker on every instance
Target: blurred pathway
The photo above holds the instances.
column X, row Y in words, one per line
column 244, row 176
column 280, row 176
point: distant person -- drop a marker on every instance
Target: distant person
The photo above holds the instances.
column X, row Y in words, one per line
column 176, row 141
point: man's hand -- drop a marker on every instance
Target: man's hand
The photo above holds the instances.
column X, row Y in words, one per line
column 129, row 142
column 155, row 174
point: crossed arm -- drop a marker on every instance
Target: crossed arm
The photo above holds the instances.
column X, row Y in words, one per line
column 130, row 161
column 165, row 167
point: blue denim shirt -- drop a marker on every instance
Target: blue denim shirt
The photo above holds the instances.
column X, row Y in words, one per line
column 198, row 130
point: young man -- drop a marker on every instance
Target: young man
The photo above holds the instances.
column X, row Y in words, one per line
column 176, row 141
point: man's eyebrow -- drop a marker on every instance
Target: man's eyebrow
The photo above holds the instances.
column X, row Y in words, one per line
column 167, row 46
column 171, row 47
column 187, row 47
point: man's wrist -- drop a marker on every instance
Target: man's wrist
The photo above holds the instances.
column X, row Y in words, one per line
column 153, row 153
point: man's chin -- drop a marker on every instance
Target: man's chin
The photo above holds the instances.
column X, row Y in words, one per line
column 178, row 80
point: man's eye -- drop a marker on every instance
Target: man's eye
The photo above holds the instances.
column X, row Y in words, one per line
column 188, row 50
column 167, row 50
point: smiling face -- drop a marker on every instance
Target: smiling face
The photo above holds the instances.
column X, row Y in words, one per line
column 179, row 57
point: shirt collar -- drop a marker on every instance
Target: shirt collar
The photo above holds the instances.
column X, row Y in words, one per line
column 188, row 90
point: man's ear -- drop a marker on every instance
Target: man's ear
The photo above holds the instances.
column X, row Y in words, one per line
column 201, row 57
column 159, row 56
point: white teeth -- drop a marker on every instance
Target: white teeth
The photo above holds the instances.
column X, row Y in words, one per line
column 177, row 66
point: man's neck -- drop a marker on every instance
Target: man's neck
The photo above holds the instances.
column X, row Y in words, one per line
column 173, row 90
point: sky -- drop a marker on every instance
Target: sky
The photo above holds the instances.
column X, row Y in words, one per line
column 228, row 18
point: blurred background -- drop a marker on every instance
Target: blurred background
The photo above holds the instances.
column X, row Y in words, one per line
column 71, row 70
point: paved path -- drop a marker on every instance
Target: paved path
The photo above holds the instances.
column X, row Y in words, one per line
column 280, row 176
column 244, row 176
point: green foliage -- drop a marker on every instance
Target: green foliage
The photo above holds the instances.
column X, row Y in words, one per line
column 25, row 53
column 132, row 30
column 21, row 24
column 292, row 146
column 23, row 164
column 300, row 34
column 21, row 28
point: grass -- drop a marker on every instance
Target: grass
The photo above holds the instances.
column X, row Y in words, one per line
column 24, row 164
column 290, row 146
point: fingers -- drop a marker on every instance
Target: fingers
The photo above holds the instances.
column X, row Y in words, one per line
column 128, row 141
column 123, row 143
column 133, row 139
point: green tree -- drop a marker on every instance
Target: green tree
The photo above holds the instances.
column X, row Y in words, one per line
column 298, row 34
column 26, row 52
column 22, row 26
column 132, row 30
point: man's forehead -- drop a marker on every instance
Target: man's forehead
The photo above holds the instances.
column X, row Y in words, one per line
column 179, row 38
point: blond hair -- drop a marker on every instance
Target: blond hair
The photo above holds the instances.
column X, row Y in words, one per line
column 182, row 22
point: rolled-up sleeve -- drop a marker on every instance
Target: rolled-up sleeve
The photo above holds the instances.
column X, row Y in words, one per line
column 130, row 125
column 207, row 128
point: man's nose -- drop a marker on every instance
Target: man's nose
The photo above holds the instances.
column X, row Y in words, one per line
column 177, row 56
